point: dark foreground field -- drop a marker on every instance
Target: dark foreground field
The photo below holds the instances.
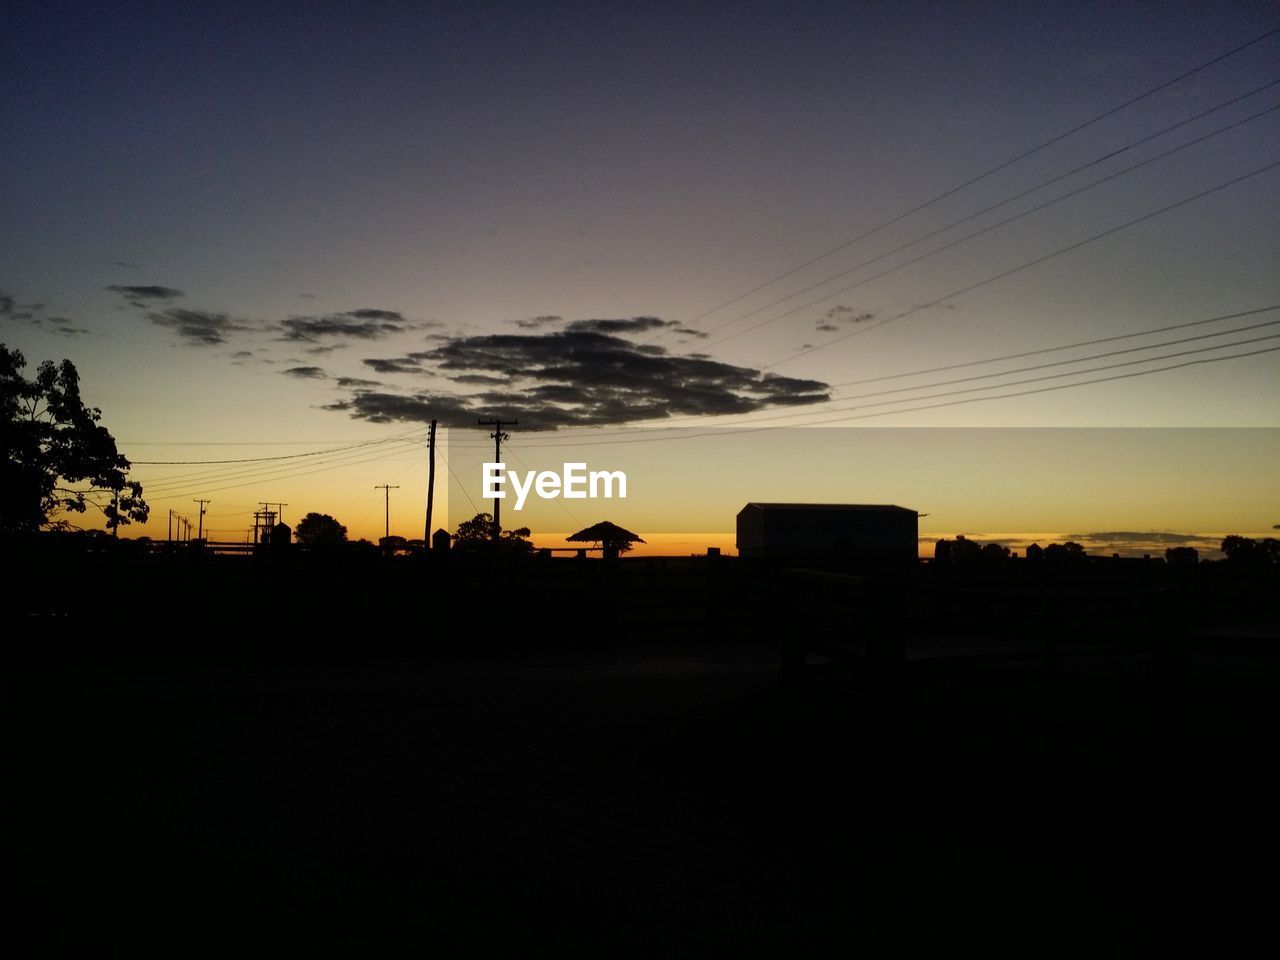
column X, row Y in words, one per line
column 645, row 793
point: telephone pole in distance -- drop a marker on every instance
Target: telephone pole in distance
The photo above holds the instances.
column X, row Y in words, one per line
column 200, row 524
column 388, row 488
column 498, row 436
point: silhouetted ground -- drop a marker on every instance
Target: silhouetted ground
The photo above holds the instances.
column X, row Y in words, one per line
column 608, row 781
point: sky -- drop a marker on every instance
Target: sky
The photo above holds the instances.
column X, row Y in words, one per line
column 879, row 237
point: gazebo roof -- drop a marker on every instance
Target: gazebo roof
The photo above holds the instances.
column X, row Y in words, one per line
column 602, row 532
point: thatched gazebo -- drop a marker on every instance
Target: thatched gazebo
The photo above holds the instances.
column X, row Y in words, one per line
column 613, row 538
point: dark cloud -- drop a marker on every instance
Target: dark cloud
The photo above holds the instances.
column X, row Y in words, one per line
column 481, row 379
column 306, row 373
column 141, row 296
column 826, row 328
column 368, row 313
column 631, row 325
column 690, row 332
column 326, row 348
column 583, row 375
column 198, row 327
column 366, row 323
column 393, row 365
column 242, row 355
column 535, row 323
column 357, row 382
column 347, row 325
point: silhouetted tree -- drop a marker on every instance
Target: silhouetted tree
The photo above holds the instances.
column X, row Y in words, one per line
column 392, row 544
column 318, row 530
column 56, row 454
column 477, row 534
column 1239, row 549
column 1069, row 552
column 994, row 553
column 1182, row 555
column 1035, row 552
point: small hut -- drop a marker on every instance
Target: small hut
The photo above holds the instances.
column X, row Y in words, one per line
column 611, row 537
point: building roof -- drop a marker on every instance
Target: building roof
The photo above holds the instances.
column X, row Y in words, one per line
column 849, row 507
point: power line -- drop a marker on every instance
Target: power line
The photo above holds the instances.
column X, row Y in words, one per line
column 969, row 236
column 1024, row 266
column 747, row 428
column 218, row 476
column 287, row 456
column 1063, row 386
column 1060, row 363
column 1049, row 376
column 667, row 424
column 1067, row 346
column 991, row 171
column 462, row 486
column 696, row 420
column 288, row 476
column 1042, row 366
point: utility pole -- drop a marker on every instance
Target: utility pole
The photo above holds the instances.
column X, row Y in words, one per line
column 263, row 521
column 498, row 436
column 387, row 488
column 170, row 525
column 431, row 483
column 200, row 528
column 115, row 521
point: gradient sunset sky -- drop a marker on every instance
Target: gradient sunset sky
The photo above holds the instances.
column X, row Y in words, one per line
column 265, row 230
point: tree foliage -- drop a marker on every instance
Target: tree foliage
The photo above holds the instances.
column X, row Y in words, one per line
column 58, row 458
column 318, row 530
column 1238, row 549
column 477, row 533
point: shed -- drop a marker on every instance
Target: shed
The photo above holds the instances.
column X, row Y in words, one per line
column 854, row 534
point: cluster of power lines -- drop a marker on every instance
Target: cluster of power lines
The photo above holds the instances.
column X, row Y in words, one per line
column 1179, row 344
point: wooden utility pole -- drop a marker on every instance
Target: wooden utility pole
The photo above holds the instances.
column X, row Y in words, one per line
column 170, row 525
column 431, row 483
column 200, row 527
column 498, row 436
column 387, row 488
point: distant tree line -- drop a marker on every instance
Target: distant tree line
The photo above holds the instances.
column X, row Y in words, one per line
column 1246, row 550
column 964, row 552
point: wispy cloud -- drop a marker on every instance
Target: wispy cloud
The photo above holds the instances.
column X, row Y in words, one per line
column 393, row 364
column 199, row 327
column 306, row 373
column 843, row 314
column 366, row 323
column 141, row 296
column 536, row 323
column 34, row 314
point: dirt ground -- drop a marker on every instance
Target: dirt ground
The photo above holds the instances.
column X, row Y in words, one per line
column 670, row 798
